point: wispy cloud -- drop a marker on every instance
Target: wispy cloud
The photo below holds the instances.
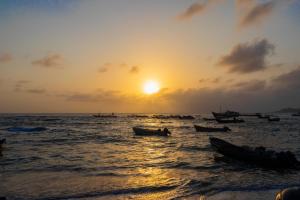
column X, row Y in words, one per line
column 195, row 9
column 252, row 12
column 104, row 68
column 49, row 61
column 36, row 91
column 19, row 86
column 5, row 57
column 248, row 57
column 134, row 70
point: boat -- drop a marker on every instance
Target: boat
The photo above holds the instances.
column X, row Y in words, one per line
column 2, row 141
column 182, row 117
column 105, row 116
column 260, row 116
column 227, row 121
column 273, row 119
column 258, row 156
column 227, row 114
column 211, row 129
column 209, row 119
column 296, row 114
column 289, row 194
column 151, row 132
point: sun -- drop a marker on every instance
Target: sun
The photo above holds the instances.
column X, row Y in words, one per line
column 151, row 87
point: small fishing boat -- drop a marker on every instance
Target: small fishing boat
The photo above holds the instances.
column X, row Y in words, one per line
column 227, row 114
column 273, row 119
column 211, row 129
column 258, row 156
column 228, row 121
column 151, row 132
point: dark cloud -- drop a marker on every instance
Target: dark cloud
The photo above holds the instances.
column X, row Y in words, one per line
column 49, row 61
column 195, row 9
column 290, row 80
column 134, row 70
column 258, row 13
column 248, row 57
column 5, row 57
column 251, row 86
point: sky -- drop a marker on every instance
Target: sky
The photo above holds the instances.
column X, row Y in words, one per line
column 69, row 56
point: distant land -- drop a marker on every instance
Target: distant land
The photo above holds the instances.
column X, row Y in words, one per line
column 289, row 110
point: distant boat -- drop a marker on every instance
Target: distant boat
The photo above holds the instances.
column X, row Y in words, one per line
column 211, row 129
column 227, row 121
column 209, row 119
column 260, row 116
column 227, row 114
column 150, row 132
column 182, row 117
column 258, row 156
column 273, row 119
column 105, row 116
column 296, row 114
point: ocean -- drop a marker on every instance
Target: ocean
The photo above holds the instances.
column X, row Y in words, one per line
column 79, row 156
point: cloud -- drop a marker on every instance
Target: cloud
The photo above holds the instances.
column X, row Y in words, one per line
column 134, row 70
column 289, row 80
column 248, row 57
column 253, row 13
column 36, row 91
column 19, row 86
column 195, row 9
column 5, row 58
column 49, row 61
column 103, row 69
column 251, row 86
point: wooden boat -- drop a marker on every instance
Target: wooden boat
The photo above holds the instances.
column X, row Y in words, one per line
column 292, row 193
column 273, row 119
column 228, row 121
column 227, row 114
column 211, row 129
column 258, row 156
column 150, row 132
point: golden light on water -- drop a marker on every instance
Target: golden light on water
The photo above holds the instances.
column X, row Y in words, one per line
column 151, row 87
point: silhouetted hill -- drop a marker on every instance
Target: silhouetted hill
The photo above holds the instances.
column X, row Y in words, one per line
column 289, row 110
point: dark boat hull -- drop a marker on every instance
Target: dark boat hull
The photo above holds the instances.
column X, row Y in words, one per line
column 248, row 155
column 211, row 129
column 148, row 132
column 230, row 121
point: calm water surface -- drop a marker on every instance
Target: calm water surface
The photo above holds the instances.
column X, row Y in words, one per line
column 82, row 157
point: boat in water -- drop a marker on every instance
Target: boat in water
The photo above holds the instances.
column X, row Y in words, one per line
column 209, row 119
column 273, row 119
column 227, row 114
column 229, row 121
column 211, row 129
column 105, row 116
column 151, row 132
column 258, row 156
column 296, row 114
column 260, row 116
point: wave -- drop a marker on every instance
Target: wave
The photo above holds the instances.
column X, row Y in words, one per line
column 26, row 129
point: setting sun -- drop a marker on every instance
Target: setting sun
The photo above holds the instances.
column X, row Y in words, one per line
column 151, row 87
